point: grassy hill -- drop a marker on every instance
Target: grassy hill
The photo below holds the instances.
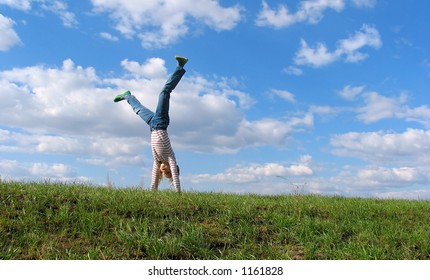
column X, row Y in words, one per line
column 59, row 221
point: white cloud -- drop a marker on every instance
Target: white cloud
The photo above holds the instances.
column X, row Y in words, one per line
column 69, row 110
column 60, row 9
column 159, row 23
column 378, row 107
column 365, row 3
column 368, row 36
column 270, row 131
column 153, row 68
column 308, row 11
column 9, row 38
column 56, row 170
column 316, row 57
column 312, row 11
column 284, row 94
column 326, row 112
column 350, row 93
column 24, row 5
column 259, row 172
column 398, row 159
column 293, row 70
column 34, row 171
column 420, row 194
column 404, row 182
column 59, row 100
column 108, row 36
column 275, row 18
column 408, row 148
column 393, row 176
column 230, row 133
column 368, row 181
column 108, row 150
column 9, row 168
column 349, row 49
column 57, row 7
column 419, row 114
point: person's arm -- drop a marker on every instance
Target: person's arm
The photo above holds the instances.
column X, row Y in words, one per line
column 156, row 176
column 174, row 169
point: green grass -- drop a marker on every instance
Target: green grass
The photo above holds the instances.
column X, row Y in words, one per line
column 60, row 221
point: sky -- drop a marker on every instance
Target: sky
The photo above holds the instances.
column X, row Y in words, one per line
column 327, row 97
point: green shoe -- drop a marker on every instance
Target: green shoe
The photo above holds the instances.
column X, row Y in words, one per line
column 181, row 60
column 121, row 96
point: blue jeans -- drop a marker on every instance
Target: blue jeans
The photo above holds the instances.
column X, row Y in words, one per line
column 160, row 119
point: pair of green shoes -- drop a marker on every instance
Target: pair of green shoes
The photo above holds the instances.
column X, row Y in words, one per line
column 181, row 62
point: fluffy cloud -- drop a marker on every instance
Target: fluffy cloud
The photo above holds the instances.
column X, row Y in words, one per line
column 259, row 172
column 409, row 147
column 393, row 176
column 153, row 68
column 419, row 114
column 284, row 94
column 24, row 5
column 348, row 49
column 107, row 151
column 316, row 57
column 378, row 107
column 419, row 194
column 308, row 11
column 271, row 131
column 160, row 23
column 69, row 111
column 9, row 37
column 58, row 100
column 368, row 36
column 57, row 7
column 387, row 182
column 398, row 160
column 365, row 3
column 60, row 9
column 293, row 70
column 375, row 107
column 108, row 36
column 350, row 93
column 14, row 170
column 404, row 182
column 222, row 136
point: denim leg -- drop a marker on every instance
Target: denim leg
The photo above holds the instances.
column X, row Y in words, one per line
column 140, row 110
column 161, row 119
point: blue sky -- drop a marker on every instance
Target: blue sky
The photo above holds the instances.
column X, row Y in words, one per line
column 315, row 96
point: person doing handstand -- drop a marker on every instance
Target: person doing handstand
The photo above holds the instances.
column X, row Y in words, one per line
column 164, row 158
